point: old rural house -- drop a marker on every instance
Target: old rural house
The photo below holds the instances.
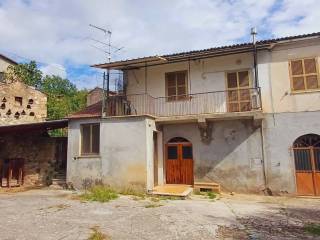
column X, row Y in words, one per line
column 28, row 156
column 244, row 116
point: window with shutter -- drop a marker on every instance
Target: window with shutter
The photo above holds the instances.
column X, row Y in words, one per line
column 176, row 85
column 238, row 91
column 304, row 74
column 90, row 139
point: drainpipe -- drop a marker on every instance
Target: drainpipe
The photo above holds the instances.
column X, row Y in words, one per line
column 255, row 59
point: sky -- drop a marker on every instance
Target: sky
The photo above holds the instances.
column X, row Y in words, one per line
column 56, row 34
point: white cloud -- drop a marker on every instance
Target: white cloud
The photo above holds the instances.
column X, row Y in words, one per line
column 54, row 69
column 58, row 31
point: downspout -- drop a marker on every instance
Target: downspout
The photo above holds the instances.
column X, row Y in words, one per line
column 103, row 114
column 255, row 65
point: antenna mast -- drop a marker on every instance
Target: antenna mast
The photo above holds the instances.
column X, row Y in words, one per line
column 106, row 79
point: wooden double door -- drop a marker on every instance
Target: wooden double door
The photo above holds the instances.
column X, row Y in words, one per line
column 179, row 163
column 307, row 164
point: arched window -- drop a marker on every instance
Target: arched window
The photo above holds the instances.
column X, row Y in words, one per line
column 178, row 140
column 308, row 140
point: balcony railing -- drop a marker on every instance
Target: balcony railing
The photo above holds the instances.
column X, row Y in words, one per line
column 238, row 100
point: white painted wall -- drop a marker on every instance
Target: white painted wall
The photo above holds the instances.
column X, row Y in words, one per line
column 204, row 76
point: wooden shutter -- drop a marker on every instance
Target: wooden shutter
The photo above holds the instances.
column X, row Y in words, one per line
column 304, row 74
column 176, row 85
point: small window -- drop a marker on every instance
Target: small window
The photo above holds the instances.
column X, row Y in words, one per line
column 31, row 114
column 18, row 101
column 176, row 85
column 90, row 139
column 304, row 74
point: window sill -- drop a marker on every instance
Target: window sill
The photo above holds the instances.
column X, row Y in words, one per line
column 89, row 156
column 293, row 92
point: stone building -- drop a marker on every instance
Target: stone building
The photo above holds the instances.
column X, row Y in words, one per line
column 20, row 103
column 95, row 95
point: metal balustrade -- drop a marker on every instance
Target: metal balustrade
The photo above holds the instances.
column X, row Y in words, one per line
column 238, row 100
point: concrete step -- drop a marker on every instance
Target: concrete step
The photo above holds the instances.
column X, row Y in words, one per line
column 207, row 186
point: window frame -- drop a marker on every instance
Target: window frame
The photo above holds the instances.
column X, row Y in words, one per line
column 249, row 70
column 91, row 153
column 291, row 76
column 176, row 97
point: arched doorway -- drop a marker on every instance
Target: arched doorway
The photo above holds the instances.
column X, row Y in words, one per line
column 307, row 164
column 179, row 161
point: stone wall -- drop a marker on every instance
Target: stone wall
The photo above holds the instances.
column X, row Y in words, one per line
column 38, row 152
column 94, row 96
column 20, row 103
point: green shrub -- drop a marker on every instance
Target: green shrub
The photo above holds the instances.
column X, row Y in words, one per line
column 100, row 194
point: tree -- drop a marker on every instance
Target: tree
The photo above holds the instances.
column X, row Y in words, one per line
column 63, row 97
column 26, row 72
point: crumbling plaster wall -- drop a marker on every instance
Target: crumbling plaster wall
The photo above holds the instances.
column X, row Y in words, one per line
column 232, row 158
column 38, row 152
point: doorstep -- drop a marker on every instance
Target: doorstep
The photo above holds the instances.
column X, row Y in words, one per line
column 177, row 190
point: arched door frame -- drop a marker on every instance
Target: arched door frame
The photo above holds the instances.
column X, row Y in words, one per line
column 306, row 154
column 179, row 161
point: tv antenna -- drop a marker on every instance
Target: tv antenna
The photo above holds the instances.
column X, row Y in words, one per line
column 106, row 77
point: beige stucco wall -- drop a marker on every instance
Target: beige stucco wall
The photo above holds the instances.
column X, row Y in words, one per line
column 18, row 89
column 204, row 75
column 284, row 100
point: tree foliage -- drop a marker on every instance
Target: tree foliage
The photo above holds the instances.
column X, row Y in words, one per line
column 26, row 72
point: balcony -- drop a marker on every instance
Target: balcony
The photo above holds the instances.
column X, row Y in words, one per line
column 218, row 102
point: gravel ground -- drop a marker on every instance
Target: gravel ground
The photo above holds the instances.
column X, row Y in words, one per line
column 54, row 214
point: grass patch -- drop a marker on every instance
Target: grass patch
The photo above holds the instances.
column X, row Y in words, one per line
column 132, row 192
column 153, row 205
column 97, row 234
column 211, row 195
column 99, row 194
column 312, row 228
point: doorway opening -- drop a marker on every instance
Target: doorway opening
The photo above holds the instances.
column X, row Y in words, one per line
column 307, row 164
column 179, row 161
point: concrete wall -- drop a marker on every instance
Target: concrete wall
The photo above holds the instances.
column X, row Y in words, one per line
column 233, row 157
column 126, row 153
column 280, row 131
column 279, row 97
column 18, row 89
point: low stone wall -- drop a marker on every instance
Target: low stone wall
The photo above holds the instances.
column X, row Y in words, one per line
column 38, row 152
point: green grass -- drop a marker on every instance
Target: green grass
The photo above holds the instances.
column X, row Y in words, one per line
column 211, row 195
column 312, row 228
column 97, row 234
column 99, row 194
column 132, row 192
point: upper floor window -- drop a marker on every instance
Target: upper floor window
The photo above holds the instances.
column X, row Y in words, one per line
column 90, row 139
column 304, row 74
column 238, row 91
column 176, row 85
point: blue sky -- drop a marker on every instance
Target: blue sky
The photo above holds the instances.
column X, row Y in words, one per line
column 57, row 34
